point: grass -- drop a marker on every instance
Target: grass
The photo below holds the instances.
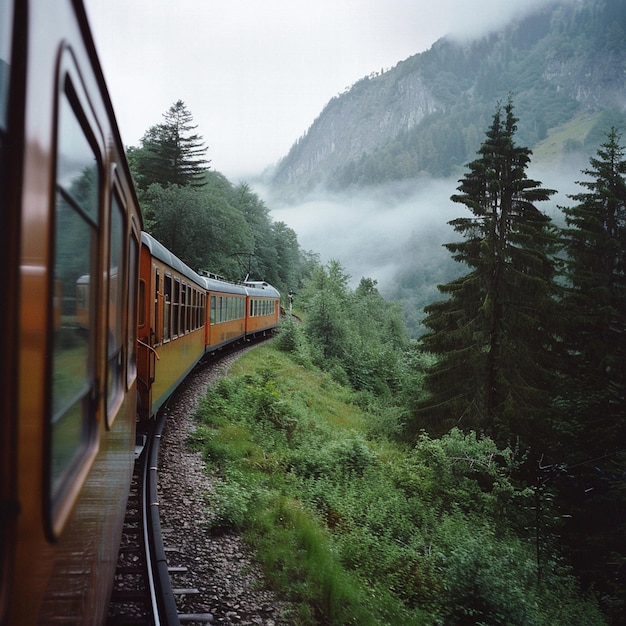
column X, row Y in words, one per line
column 281, row 436
column 552, row 148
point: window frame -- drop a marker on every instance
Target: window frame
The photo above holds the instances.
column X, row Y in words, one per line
column 61, row 493
column 113, row 403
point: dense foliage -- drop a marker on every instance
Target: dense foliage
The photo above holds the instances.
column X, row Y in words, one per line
column 356, row 335
column 534, row 355
column 354, row 529
column 204, row 219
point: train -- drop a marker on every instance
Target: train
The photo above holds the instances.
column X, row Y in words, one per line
column 99, row 322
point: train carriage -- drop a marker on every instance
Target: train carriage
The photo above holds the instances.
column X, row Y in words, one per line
column 263, row 310
column 226, row 322
column 171, row 325
column 68, row 352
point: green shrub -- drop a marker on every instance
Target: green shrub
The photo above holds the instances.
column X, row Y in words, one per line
column 290, row 336
column 358, row 531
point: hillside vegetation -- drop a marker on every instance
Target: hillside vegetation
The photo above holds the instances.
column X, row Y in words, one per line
column 355, row 528
column 476, row 476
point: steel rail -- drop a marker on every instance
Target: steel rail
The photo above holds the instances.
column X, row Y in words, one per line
column 164, row 610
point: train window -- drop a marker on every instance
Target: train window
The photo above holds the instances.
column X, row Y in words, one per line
column 167, row 308
column 115, row 342
column 191, row 306
column 213, row 310
column 157, row 294
column 133, row 285
column 183, row 308
column 175, row 308
column 75, row 248
column 141, row 319
column 6, row 24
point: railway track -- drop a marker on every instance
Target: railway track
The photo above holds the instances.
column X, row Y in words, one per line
column 143, row 592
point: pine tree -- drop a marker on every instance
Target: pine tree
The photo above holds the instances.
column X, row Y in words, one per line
column 595, row 243
column 171, row 153
column 594, row 434
column 494, row 335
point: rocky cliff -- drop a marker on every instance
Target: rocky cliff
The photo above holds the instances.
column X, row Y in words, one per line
column 427, row 115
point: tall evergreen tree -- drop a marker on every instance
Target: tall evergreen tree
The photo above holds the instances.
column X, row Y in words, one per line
column 594, row 435
column 494, row 335
column 595, row 243
column 326, row 298
column 171, row 153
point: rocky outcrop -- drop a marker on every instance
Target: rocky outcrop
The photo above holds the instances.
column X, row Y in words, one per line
column 427, row 114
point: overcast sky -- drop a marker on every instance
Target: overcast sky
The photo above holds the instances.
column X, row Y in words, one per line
column 256, row 73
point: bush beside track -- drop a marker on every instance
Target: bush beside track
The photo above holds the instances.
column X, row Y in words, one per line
column 353, row 528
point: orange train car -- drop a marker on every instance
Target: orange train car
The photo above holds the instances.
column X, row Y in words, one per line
column 68, row 389
column 226, row 323
column 263, row 310
column 171, row 324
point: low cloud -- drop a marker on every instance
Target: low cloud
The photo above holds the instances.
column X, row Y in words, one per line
column 377, row 233
column 389, row 232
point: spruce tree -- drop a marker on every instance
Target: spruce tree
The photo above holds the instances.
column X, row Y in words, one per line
column 495, row 334
column 593, row 436
column 595, row 244
column 171, row 153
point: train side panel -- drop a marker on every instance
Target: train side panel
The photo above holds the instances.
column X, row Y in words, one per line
column 171, row 327
column 70, row 432
column 263, row 309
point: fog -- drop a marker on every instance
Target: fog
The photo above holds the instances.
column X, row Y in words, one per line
column 372, row 233
column 390, row 231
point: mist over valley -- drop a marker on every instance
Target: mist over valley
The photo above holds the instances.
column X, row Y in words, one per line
column 394, row 232
column 369, row 183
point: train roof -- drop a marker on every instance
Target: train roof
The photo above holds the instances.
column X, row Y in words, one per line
column 159, row 251
column 215, row 284
column 261, row 289
column 210, row 283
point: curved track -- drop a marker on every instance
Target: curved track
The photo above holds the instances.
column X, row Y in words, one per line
column 143, row 592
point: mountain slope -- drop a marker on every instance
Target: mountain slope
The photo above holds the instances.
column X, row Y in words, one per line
column 427, row 115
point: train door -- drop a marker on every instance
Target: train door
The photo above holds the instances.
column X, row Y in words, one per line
column 148, row 305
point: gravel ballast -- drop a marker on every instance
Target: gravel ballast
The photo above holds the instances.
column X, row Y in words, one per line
column 230, row 584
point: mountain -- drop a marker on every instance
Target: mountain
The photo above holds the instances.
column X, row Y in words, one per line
column 564, row 65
